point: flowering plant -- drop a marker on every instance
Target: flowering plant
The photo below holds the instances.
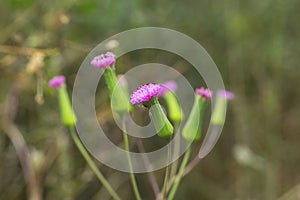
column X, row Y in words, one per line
column 149, row 96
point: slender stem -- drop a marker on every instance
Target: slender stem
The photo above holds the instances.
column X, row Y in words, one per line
column 132, row 177
column 151, row 176
column 166, row 177
column 92, row 165
column 187, row 169
column 174, row 166
column 180, row 173
column 191, row 165
column 174, row 169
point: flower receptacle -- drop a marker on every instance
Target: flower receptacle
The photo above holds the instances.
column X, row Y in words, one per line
column 67, row 115
column 192, row 128
column 162, row 125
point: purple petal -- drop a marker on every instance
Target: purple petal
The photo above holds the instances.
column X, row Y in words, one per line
column 166, row 87
column 104, row 60
column 57, row 81
column 225, row 94
column 144, row 93
column 204, row 92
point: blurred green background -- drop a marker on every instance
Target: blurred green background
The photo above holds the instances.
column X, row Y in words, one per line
column 254, row 43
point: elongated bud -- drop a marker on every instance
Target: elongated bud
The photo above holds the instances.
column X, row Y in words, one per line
column 67, row 115
column 162, row 125
column 174, row 109
column 219, row 112
column 119, row 97
column 167, row 91
column 192, row 129
column 66, row 111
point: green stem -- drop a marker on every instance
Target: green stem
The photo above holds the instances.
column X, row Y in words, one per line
column 151, row 176
column 180, row 174
column 92, row 165
column 132, row 177
column 174, row 166
column 166, row 177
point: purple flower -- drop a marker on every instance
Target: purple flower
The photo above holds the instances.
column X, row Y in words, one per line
column 225, row 94
column 104, row 60
column 144, row 93
column 166, row 87
column 57, row 81
column 204, row 92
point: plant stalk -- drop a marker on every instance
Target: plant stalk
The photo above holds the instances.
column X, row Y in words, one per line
column 132, row 177
column 180, row 174
column 92, row 165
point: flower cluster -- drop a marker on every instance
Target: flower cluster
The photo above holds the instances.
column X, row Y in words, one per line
column 144, row 93
column 57, row 81
column 165, row 123
column 204, row 92
column 104, row 60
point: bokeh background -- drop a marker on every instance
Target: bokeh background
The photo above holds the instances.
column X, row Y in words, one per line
column 254, row 43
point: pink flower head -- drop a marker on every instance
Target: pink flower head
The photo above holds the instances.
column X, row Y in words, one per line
column 104, row 60
column 204, row 92
column 166, row 87
column 144, row 93
column 57, row 81
column 225, row 94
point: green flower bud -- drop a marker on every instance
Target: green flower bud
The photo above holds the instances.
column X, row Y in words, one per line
column 192, row 128
column 67, row 115
column 162, row 125
column 219, row 112
column 174, row 109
